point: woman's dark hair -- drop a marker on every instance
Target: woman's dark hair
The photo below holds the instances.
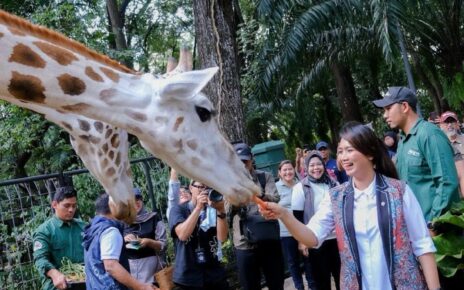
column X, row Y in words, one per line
column 283, row 162
column 365, row 141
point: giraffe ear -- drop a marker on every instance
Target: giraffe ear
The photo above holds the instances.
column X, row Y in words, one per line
column 186, row 85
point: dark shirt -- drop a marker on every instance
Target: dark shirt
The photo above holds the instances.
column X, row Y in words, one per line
column 186, row 270
column 334, row 173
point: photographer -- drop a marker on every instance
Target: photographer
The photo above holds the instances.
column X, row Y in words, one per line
column 198, row 227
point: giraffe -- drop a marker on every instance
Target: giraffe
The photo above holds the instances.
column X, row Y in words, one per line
column 170, row 116
column 92, row 139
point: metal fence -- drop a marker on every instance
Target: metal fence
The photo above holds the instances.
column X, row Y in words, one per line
column 25, row 204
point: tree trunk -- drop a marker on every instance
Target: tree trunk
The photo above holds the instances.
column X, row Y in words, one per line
column 346, row 94
column 116, row 18
column 215, row 30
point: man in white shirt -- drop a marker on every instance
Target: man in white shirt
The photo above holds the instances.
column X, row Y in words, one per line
column 106, row 263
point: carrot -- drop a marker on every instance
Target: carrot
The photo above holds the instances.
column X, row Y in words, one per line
column 259, row 201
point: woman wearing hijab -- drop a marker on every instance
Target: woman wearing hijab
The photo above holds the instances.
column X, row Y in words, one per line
column 382, row 236
column 390, row 139
column 306, row 200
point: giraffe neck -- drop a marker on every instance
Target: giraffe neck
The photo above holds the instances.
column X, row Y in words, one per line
column 45, row 73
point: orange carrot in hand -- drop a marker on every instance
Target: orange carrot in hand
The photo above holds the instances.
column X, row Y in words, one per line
column 259, row 202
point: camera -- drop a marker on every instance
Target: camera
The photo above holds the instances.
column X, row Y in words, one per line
column 200, row 256
column 214, row 195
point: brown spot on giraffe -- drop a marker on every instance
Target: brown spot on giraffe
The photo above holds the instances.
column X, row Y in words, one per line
column 16, row 31
column 84, row 125
column 100, row 153
column 1, row 35
column 85, row 137
column 105, row 148
column 79, row 107
column 136, row 115
column 110, row 172
column 94, row 139
column 179, row 121
column 93, row 74
column 60, row 55
column 118, row 159
column 111, row 155
column 82, row 149
column 71, row 85
column 192, row 144
column 107, row 95
column 115, row 141
column 179, row 145
column 134, row 129
column 26, row 88
column 110, row 74
column 67, row 126
column 105, row 163
column 23, row 54
column 108, row 133
column 196, row 161
column 98, row 126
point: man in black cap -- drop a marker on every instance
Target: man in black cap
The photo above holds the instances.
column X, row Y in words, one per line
column 254, row 257
column 424, row 154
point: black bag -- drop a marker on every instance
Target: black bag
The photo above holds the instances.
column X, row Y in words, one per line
column 257, row 229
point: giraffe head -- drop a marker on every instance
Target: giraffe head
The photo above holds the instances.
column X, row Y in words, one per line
column 182, row 121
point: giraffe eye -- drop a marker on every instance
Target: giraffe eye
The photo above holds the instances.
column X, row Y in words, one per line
column 203, row 113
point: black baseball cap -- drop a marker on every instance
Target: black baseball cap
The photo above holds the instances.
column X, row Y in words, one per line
column 243, row 151
column 397, row 95
column 137, row 193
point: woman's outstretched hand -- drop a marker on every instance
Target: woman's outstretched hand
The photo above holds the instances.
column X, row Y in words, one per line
column 272, row 210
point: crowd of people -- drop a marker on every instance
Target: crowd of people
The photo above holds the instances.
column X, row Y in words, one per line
column 363, row 220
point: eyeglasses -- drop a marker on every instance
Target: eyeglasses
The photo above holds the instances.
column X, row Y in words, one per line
column 199, row 186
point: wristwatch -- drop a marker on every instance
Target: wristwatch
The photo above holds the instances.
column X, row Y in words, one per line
column 221, row 215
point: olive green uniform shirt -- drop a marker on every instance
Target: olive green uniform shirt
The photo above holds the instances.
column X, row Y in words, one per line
column 53, row 240
column 425, row 160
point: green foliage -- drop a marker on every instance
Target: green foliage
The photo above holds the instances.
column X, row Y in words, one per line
column 450, row 243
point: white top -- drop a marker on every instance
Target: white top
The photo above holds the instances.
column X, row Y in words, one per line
column 298, row 196
column 110, row 244
column 173, row 195
column 373, row 264
column 320, row 190
column 285, row 201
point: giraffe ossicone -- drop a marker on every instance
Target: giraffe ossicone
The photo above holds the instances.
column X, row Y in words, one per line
column 170, row 116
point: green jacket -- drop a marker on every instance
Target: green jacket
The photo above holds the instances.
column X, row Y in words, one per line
column 53, row 240
column 425, row 160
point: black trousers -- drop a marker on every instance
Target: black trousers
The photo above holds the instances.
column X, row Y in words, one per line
column 267, row 259
column 325, row 262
